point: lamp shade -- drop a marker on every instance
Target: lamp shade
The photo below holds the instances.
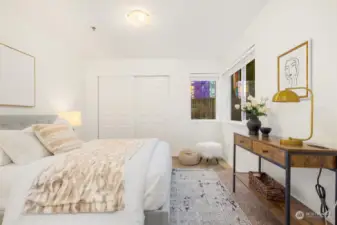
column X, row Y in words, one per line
column 286, row 95
column 74, row 118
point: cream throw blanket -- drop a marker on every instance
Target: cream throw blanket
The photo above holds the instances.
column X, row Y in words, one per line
column 85, row 180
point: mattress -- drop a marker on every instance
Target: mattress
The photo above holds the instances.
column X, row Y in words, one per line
column 158, row 179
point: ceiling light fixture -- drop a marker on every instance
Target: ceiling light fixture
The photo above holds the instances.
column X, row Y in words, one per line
column 138, row 17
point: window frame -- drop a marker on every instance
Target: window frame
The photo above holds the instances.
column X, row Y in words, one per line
column 243, row 95
column 205, row 77
column 240, row 64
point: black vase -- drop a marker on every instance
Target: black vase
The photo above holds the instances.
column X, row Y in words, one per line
column 254, row 125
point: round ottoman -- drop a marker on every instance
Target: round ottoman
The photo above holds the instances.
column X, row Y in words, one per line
column 209, row 151
column 189, row 158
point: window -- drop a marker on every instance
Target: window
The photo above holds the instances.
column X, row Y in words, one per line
column 236, row 92
column 203, row 99
column 250, row 78
column 242, row 85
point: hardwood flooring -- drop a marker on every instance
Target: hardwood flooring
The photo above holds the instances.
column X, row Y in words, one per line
column 258, row 210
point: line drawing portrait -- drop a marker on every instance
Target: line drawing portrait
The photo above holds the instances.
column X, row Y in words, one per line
column 294, row 68
column 291, row 71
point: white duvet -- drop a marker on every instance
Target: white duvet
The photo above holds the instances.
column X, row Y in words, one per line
column 133, row 214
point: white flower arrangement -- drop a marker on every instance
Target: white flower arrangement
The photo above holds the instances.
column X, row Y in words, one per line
column 253, row 107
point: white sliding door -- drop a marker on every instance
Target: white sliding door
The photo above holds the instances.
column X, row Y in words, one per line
column 115, row 110
column 151, row 106
column 133, row 106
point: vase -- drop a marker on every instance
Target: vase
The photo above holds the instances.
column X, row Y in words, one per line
column 254, row 125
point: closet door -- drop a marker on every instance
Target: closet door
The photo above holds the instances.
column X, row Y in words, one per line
column 151, row 106
column 115, row 107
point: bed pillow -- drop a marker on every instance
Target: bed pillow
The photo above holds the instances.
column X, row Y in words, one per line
column 57, row 138
column 4, row 158
column 57, row 121
column 22, row 147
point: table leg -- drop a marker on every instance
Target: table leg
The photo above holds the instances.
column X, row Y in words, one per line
column 287, row 189
column 335, row 197
column 234, row 166
column 259, row 164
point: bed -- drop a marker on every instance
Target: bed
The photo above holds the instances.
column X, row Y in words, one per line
column 155, row 196
column 7, row 174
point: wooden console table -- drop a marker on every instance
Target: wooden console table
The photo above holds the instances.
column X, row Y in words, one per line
column 286, row 157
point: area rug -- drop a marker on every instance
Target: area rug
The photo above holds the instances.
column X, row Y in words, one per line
column 199, row 198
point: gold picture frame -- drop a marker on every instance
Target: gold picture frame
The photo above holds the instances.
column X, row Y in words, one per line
column 294, row 68
column 34, row 79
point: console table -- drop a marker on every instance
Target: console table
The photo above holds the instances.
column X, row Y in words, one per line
column 270, row 149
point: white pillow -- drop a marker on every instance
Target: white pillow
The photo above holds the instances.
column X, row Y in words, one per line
column 4, row 158
column 22, row 146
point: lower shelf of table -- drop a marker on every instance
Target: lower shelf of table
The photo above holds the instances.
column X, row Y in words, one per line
column 278, row 209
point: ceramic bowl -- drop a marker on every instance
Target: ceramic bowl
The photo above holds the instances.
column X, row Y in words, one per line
column 265, row 131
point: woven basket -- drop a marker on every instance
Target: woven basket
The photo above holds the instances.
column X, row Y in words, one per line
column 188, row 157
column 269, row 188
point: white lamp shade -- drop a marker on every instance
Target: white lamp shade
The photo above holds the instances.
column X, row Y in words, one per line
column 74, row 118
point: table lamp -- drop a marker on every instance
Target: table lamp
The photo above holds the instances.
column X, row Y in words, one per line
column 74, row 118
column 289, row 96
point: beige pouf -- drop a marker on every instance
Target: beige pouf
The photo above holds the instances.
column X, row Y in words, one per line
column 189, row 158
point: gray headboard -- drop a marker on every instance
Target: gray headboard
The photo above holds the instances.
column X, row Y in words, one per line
column 18, row 122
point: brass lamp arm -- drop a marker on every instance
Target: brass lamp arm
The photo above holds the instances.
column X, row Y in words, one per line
column 312, row 112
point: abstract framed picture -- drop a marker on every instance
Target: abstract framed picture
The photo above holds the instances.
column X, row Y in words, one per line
column 17, row 77
column 294, row 69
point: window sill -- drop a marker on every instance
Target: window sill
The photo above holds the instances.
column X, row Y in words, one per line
column 205, row 121
column 236, row 123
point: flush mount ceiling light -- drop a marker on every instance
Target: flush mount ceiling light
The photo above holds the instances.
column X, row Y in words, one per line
column 138, row 17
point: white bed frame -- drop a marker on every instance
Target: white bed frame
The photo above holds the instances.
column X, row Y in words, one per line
column 18, row 122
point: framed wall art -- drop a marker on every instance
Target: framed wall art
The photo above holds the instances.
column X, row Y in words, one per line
column 17, row 77
column 294, row 68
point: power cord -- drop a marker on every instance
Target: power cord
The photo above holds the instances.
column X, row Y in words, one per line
column 322, row 195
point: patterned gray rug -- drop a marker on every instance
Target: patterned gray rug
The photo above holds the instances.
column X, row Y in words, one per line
column 199, row 198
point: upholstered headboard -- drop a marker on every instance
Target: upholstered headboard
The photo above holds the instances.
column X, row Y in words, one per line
column 18, row 122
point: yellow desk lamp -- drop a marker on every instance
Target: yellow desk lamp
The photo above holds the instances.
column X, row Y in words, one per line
column 288, row 95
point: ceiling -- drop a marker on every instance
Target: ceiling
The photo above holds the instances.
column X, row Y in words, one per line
column 178, row 28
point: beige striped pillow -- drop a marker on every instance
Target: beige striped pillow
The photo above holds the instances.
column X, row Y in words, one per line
column 57, row 138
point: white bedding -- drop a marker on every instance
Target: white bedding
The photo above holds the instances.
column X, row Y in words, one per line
column 158, row 178
column 136, row 170
column 7, row 177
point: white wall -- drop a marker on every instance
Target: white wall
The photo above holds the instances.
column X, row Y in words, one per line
column 182, row 132
column 281, row 26
column 59, row 80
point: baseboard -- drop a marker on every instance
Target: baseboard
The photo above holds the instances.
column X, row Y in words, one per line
column 222, row 163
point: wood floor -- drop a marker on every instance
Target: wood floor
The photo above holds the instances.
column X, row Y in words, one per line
column 258, row 210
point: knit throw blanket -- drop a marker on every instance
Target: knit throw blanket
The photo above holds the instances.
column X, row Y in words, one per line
column 87, row 180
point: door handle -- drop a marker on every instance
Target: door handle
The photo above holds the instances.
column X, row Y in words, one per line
column 264, row 151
